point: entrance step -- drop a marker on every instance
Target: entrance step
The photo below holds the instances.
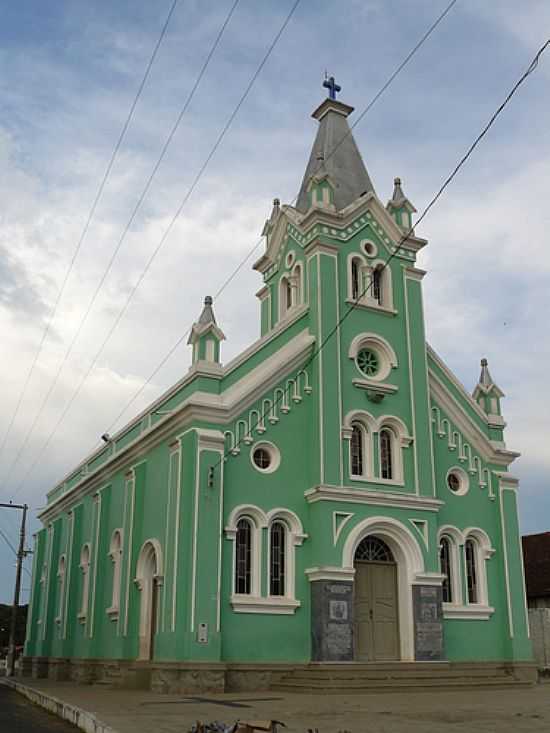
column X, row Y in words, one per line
column 380, row 677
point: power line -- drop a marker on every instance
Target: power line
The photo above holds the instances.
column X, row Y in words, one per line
column 87, row 226
column 12, row 548
column 532, row 66
column 164, row 236
column 120, row 242
column 373, row 101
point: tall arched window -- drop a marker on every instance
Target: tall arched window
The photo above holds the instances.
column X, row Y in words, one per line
column 386, row 454
column 445, row 566
column 243, row 557
column 357, row 458
column 355, row 279
column 115, row 553
column 377, row 285
column 297, row 276
column 85, row 568
column 277, row 562
column 471, row 571
column 61, row 581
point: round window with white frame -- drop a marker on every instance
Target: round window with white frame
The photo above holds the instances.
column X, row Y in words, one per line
column 373, row 356
column 290, row 258
column 369, row 248
column 457, row 481
column 368, row 361
column 265, row 457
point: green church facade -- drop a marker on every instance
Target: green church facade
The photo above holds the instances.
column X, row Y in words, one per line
column 333, row 494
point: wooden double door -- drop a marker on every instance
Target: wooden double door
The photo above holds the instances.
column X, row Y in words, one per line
column 376, row 617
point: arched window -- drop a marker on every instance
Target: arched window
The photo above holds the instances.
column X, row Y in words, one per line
column 470, row 551
column 373, row 549
column 115, row 553
column 243, row 557
column 85, row 568
column 355, row 279
column 288, row 295
column 357, row 458
column 277, row 562
column 386, row 454
column 61, row 581
column 297, row 276
column 445, row 566
column 377, row 285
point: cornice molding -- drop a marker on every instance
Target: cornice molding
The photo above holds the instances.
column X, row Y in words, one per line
column 374, row 498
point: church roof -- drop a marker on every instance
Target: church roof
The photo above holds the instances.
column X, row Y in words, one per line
column 335, row 154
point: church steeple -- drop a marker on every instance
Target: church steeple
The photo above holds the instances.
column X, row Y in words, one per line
column 336, row 174
column 206, row 336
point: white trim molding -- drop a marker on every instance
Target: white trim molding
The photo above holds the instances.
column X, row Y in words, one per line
column 473, row 611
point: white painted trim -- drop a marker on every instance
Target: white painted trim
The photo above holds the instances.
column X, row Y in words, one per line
column 273, row 451
column 320, row 363
column 373, row 498
column 411, row 381
column 381, row 346
column 177, row 529
column 96, row 553
column 337, row 528
column 70, row 520
column 473, row 611
column 258, row 604
column 330, row 572
column 506, row 566
column 195, row 530
column 220, row 544
column 463, row 480
column 456, row 540
column 130, row 485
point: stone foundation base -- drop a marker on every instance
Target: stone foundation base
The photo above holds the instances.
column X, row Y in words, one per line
column 191, row 678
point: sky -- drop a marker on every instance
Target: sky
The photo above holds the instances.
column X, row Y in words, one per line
column 69, row 72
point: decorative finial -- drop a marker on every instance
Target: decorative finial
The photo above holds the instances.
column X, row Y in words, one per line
column 276, row 202
column 397, row 181
column 332, row 87
column 208, row 300
column 484, row 362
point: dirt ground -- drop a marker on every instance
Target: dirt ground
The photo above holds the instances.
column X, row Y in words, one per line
column 458, row 711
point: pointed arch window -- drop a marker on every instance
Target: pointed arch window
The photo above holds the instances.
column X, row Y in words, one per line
column 277, row 563
column 298, row 284
column 377, row 285
column 115, row 553
column 61, row 572
column 470, row 551
column 355, row 278
column 445, row 564
column 85, row 593
column 357, row 450
column 243, row 557
column 386, row 454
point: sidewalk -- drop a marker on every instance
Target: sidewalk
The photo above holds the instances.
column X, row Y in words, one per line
column 468, row 711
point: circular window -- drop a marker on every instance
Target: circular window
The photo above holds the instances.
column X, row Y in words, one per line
column 369, row 248
column 368, row 362
column 457, row 481
column 289, row 261
column 265, row 457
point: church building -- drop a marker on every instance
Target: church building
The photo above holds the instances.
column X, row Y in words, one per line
column 331, row 495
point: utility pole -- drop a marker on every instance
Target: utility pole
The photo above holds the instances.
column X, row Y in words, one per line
column 19, row 567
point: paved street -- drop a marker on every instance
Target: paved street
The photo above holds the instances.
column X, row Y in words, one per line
column 18, row 715
column 472, row 710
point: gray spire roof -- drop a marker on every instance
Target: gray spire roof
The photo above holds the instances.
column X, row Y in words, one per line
column 485, row 377
column 398, row 196
column 335, row 154
column 207, row 315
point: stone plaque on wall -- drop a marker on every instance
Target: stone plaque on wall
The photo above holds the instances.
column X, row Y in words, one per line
column 332, row 621
column 428, row 623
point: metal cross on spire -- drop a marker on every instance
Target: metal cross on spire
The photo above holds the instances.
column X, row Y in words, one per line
column 332, row 87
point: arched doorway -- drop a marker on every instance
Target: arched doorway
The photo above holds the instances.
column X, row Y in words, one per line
column 148, row 580
column 376, row 602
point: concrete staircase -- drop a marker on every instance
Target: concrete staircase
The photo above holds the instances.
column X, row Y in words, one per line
column 335, row 678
